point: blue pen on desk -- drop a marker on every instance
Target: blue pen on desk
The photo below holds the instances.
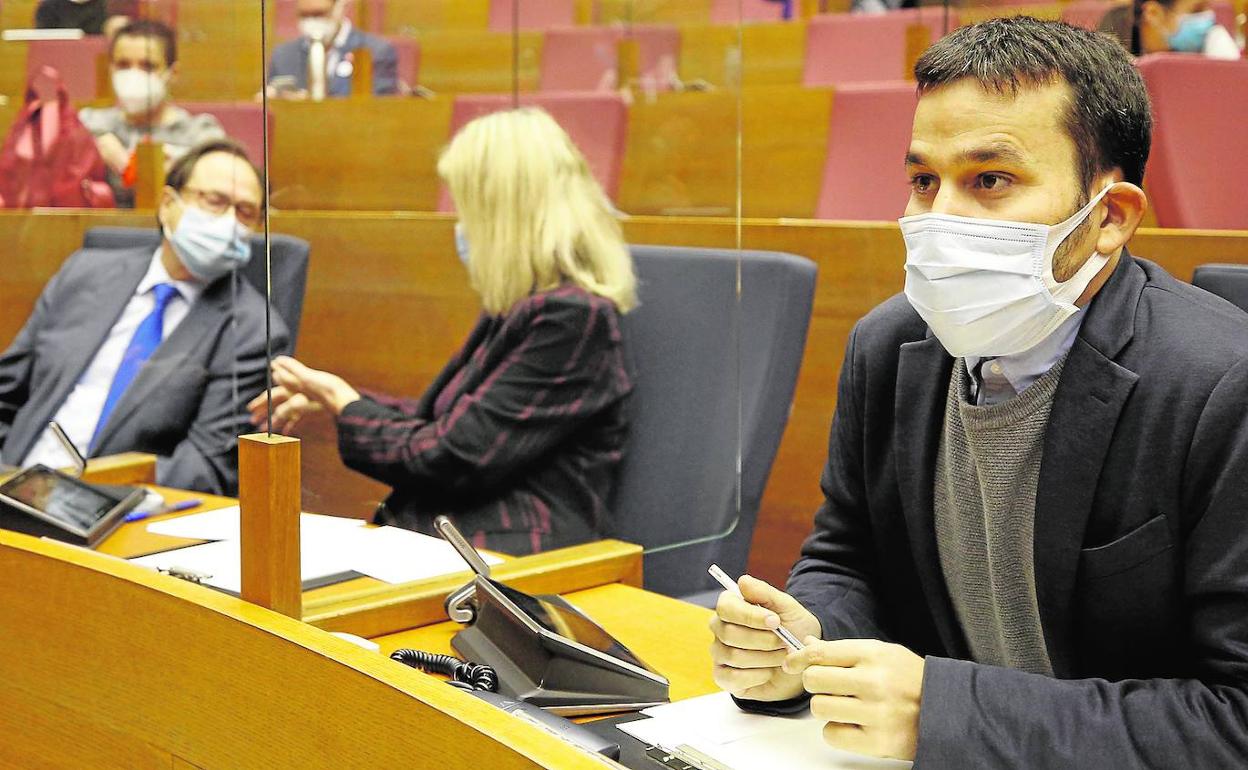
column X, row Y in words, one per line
column 185, row 505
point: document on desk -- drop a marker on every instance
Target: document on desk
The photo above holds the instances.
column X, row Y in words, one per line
column 320, row 562
column 331, row 549
column 713, row 726
column 223, row 524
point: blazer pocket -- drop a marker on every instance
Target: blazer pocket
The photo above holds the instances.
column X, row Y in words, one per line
column 1134, row 548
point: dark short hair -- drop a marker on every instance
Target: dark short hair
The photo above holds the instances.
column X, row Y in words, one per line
column 1109, row 117
column 180, row 172
column 148, row 28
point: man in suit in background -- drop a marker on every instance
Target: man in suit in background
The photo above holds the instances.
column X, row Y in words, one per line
column 1033, row 546
column 326, row 21
column 135, row 350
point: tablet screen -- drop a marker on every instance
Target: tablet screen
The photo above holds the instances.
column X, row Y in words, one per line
column 569, row 624
column 65, row 499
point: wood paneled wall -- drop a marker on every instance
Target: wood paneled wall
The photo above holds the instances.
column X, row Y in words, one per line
column 388, row 303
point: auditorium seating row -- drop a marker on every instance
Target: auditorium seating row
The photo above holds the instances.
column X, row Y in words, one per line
column 828, row 49
column 827, row 153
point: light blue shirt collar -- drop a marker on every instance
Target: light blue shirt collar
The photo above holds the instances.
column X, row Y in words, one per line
column 1003, row 377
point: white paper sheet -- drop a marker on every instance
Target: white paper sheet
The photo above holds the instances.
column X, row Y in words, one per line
column 715, row 726
column 223, row 524
column 396, row 555
column 328, row 546
column 319, row 558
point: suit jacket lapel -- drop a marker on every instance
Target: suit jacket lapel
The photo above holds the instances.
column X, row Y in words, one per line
column 1089, row 399
column 116, row 276
column 923, row 373
column 200, row 320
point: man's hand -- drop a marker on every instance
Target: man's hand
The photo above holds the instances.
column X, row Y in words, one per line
column 746, row 652
column 868, row 691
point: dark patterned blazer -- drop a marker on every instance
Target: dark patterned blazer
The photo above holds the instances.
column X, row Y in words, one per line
column 519, row 437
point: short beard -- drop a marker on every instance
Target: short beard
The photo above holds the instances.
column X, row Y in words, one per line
column 1065, row 262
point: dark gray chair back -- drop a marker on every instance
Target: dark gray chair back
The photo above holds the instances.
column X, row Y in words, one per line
column 692, row 344
column 289, row 258
column 1230, row 282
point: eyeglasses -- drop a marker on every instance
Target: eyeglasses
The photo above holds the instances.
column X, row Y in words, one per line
column 217, row 204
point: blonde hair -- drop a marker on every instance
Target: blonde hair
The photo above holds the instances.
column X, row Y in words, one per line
column 533, row 215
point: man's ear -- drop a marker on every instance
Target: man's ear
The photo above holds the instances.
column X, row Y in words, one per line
column 170, row 209
column 1123, row 206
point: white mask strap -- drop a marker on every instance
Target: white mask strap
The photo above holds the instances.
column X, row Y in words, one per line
column 1061, row 231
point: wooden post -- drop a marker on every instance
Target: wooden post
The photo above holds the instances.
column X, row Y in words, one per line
column 584, row 10
column 918, row 38
column 149, row 174
column 269, row 497
column 103, row 78
column 362, row 74
column 628, row 62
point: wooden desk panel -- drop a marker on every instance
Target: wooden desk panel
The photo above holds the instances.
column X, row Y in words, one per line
column 772, row 54
column 388, row 304
column 682, row 152
column 477, row 61
column 124, row 668
column 352, row 154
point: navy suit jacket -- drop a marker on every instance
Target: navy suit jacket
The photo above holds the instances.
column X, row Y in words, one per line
column 291, row 59
column 1141, row 537
column 181, row 406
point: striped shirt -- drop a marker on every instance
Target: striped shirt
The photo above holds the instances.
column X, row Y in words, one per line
column 519, row 437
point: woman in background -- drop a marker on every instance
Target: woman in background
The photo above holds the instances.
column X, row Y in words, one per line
column 518, row 439
column 1159, row 26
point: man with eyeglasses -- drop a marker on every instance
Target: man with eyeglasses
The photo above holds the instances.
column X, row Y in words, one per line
column 131, row 350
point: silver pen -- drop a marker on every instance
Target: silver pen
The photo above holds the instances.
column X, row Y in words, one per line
column 729, row 584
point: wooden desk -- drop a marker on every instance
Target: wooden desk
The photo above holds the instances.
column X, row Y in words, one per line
column 109, row 665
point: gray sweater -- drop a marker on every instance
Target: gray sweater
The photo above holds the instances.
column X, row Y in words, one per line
column 987, row 469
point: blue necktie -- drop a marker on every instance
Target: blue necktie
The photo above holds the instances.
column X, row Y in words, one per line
column 144, row 342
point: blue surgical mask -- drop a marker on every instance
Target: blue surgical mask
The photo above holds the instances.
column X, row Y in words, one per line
column 210, row 246
column 1190, row 35
column 461, row 243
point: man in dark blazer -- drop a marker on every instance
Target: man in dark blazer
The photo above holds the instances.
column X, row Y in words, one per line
column 1033, row 550
column 159, row 353
column 327, row 19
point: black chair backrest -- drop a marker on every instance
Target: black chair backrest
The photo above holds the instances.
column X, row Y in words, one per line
column 714, row 371
column 289, row 258
column 1230, row 282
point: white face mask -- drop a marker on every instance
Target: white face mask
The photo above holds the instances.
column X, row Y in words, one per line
column 137, row 91
column 318, row 27
column 986, row 286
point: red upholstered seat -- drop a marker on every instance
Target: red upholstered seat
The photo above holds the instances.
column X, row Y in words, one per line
column 543, row 14
column 1086, row 13
column 727, row 11
column 868, row 135
column 586, row 58
column 1196, row 175
column 241, row 121
column 850, row 48
column 597, row 123
column 74, row 59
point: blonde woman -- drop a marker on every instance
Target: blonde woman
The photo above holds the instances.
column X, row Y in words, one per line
column 518, row 438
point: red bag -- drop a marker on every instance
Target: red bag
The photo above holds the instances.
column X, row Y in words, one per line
column 65, row 169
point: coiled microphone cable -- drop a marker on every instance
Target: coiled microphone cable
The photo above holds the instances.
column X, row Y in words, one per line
column 464, row 675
